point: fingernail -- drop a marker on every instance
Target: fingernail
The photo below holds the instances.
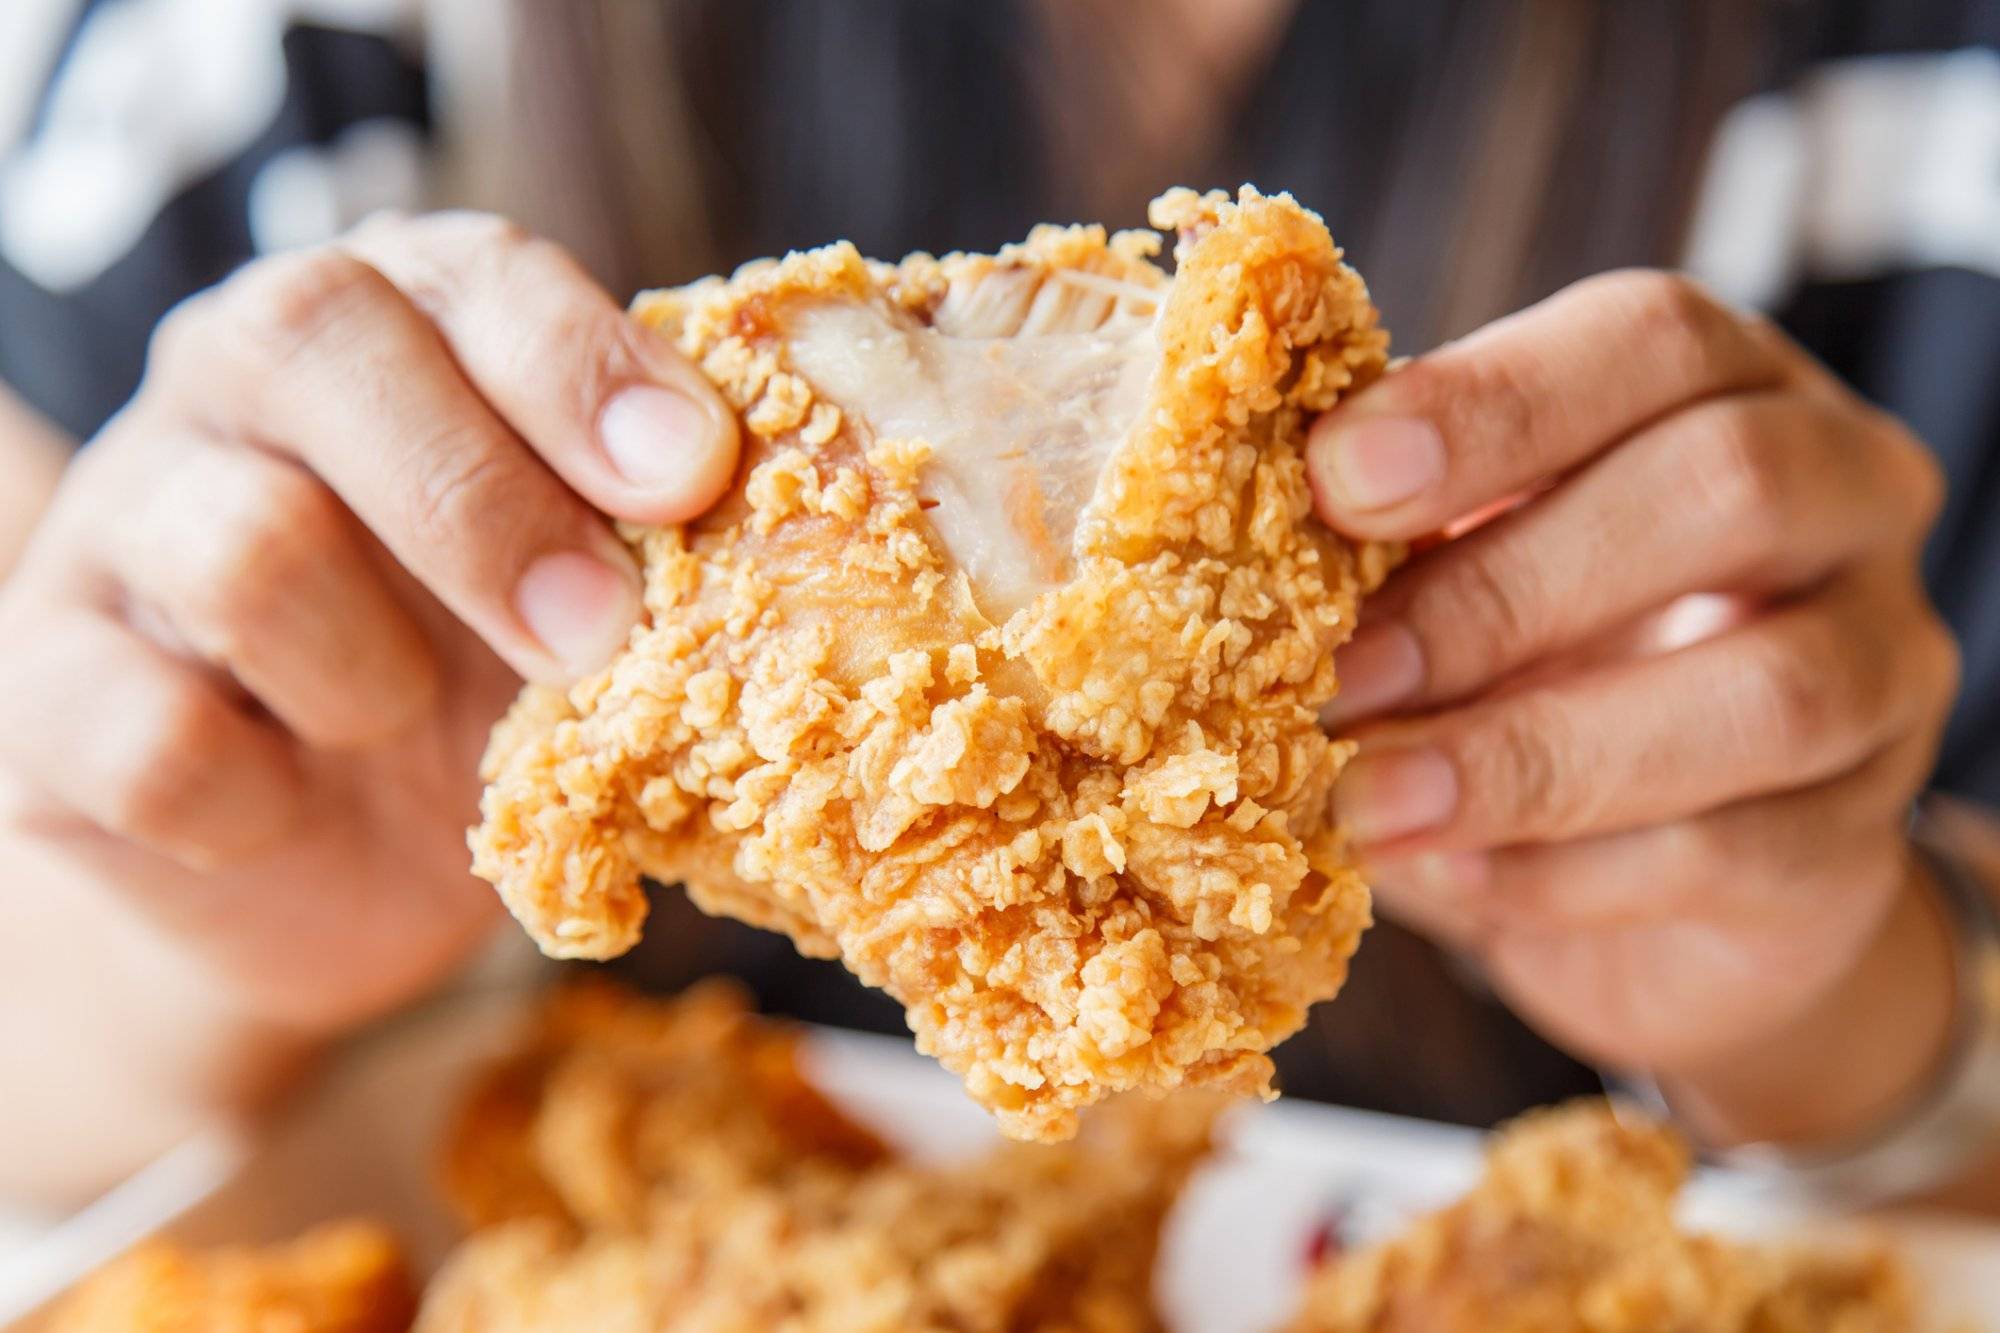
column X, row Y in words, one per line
column 659, row 440
column 1376, row 462
column 1393, row 793
column 580, row 607
column 1380, row 667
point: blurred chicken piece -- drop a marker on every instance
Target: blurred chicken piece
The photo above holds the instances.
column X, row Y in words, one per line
column 612, row 1097
column 343, row 1278
column 1572, row 1231
column 999, row 675
column 676, row 1208
column 1029, row 1238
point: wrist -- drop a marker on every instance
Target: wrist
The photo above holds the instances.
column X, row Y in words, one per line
column 1866, row 1049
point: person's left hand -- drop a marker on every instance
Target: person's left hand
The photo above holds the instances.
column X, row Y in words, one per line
column 1661, row 842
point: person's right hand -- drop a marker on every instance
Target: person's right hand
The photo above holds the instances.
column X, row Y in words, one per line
column 252, row 652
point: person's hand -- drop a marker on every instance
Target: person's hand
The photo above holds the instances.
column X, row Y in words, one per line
column 1672, row 828
column 253, row 651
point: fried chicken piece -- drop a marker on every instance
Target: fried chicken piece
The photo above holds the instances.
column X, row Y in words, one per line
column 344, row 1278
column 613, row 1097
column 682, row 1174
column 1030, row 1238
column 998, row 675
column 1572, row 1231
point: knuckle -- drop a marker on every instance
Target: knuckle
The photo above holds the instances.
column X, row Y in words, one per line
column 592, row 345
column 1669, row 304
column 180, row 332
column 284, row 305
column 460, row 252
column 266, row 546
column 477, row 230
column 1677, row 322
column 1792, row 696
column 1522, row 759
column 1813, row 689
column 1744, row 473
column 1511, row 400
column 1946, row 656
column 1499, row 607
column 459, row 485
column 1921, row 476
column 167, row 776
column 588, row 338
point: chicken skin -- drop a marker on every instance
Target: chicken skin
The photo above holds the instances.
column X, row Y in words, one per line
column 1572, row 1231
column 998, row 675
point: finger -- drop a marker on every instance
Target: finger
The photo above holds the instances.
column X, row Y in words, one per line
column 260, row 570
column 1764, row 493
column 607, row 402
column 1773, row 860
column 317, row 355
column 1437, row 894
column 1802, row 693
column 1527, row 398
column 1794, row 884
column 142, row 745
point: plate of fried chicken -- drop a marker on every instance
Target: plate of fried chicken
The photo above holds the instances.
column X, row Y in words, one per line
column 597, row 1160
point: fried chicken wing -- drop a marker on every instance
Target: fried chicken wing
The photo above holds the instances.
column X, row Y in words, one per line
column 676, row 1211
column 998, row 675
column 1572, row 1231
column 344, row 1278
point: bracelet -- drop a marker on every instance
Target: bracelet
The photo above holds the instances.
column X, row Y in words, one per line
column 1949, row 1126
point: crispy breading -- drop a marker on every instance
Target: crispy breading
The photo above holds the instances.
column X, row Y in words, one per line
column 1572, row 1230
column 342, row 1278
column 998, row 676
column 680, row 1207
column 611, row 1097
column 1028, row 1238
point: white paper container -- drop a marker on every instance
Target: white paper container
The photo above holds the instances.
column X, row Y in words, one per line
column 361, row 1143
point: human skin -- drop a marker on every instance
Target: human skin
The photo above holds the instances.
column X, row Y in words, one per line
column 257, row 640
column 1677, row 847
column 265, row 851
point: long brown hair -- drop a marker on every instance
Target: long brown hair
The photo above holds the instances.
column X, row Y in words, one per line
column 596, row 146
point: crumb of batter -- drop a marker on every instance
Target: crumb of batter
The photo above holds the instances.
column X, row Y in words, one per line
column 998, row 676
column 1572, row 1231
column 342, row 1278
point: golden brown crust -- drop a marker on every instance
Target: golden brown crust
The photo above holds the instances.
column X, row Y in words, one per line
column 1572, row 1231
column 780, row 1213
column 1084, row 841
column 343, row 1278
column 1042, row 1238
column 611, row 1098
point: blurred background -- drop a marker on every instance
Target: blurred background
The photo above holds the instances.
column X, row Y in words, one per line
column 1833, row 162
